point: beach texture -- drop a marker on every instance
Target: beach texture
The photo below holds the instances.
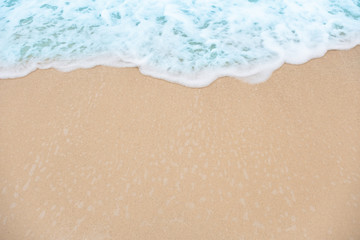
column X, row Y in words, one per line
column 108, row 153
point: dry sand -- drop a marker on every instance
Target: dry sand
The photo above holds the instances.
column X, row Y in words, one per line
column 109, row 153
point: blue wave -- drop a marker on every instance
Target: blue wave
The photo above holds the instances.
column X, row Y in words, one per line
column 191, row 42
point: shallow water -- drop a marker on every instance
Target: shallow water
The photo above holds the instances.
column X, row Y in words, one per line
column 191, row 42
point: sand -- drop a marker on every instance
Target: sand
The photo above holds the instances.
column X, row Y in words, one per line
column 108, row 153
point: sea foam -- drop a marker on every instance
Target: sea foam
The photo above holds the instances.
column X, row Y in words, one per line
column 190, row 42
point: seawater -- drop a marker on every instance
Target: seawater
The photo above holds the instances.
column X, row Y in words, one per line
column 191, row 42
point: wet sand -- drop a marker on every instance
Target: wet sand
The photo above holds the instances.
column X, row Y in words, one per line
column 108, row 153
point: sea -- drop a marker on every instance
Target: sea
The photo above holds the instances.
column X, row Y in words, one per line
column 189, row 42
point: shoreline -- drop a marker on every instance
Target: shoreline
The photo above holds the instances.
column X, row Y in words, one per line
column 255, row 77
column 110, row 153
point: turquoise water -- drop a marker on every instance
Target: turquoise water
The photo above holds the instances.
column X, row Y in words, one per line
column 191, row 42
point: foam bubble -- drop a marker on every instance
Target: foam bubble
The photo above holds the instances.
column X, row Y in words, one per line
column 190, row 42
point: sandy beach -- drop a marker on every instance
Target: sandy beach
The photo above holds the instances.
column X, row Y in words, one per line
column 108, row 153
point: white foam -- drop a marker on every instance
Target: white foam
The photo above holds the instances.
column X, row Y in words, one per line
column 187, row 42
